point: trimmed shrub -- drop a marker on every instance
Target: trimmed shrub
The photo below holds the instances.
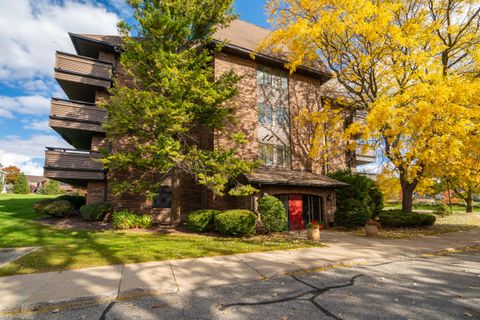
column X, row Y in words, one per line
column 236, row 222
column 39, row 206
column 58, row 208
column 76, row 200
column 202, row 220
column 399, row 219
column 442, row 210
column 362, row 197
column 21, row 185
column 272, row 214
column 128, row 220
column 352, row 213
column 95, row 211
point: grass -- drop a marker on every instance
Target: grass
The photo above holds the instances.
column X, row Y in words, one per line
column 458, row 221
column 455, row 207
column 73, row 249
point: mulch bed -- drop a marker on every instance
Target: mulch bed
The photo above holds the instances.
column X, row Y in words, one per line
column 76, row 222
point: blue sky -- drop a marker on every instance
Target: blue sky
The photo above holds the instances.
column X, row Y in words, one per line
column 30, row 32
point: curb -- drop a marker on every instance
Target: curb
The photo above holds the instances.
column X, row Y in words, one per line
column 138, row 293
column 55, row 304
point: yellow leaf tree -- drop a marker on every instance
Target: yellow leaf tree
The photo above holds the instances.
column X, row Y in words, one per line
column 324, row 131
column 410, row 64
column 388, row 183
column 463, row 173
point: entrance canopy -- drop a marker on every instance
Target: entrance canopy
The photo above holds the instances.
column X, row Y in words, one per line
column 283, row 177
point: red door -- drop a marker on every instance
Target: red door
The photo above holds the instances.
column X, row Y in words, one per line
column 295, row 206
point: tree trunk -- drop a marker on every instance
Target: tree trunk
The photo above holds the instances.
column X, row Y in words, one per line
column 469, row 202
column 407, row 193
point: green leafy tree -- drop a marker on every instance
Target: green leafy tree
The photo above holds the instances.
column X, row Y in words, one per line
column 21, row 185
column 171, row 92
column 51, row 187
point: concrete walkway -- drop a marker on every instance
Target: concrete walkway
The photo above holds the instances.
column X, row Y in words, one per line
column 68, row 288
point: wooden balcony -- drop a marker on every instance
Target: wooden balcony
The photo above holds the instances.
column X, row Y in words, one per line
column 73, row 166
column 76, row 121
column 365, row 155
column 80, row 77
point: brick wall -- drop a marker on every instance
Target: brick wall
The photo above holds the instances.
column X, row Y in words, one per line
column 187, row 194
column 245, row 104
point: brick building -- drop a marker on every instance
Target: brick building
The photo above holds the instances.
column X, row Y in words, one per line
column 268, row 100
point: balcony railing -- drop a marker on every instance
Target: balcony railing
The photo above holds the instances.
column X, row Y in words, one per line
column 81, row 76
column 99, row 73
column 73, row 164
column 365, row 155
column 76, row 115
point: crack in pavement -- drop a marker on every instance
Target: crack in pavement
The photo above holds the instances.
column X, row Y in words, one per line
column 107, row 309
column 315, row 293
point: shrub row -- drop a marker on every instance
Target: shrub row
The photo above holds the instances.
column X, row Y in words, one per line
column 399, row 219
column 230, row 222
column 61, row 206
column 202, row 220
column 128, row 220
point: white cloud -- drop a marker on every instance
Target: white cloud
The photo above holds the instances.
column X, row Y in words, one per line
column 32, row 105
column 31, row 31
column 37, row 85
column 28, row 154
column 37, row 125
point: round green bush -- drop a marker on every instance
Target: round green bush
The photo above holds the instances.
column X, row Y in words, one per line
column 202, row 220
column 236, row 222
column 352, row 213
column 95, row 211
column 76, row 200
column 272, row 214
column 399, row 219
column 58, row 208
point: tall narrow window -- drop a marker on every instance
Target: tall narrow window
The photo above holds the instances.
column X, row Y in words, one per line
column 273, row 117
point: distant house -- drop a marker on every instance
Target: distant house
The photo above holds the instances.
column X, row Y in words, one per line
column 37, row 182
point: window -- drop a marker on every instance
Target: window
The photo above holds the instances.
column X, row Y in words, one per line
column 281, row 117
column 163, row 199
column 274, row 155
column 265, row 114
column 273, row 117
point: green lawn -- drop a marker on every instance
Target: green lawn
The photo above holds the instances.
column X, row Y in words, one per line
column 69, row 249
column 455, row 207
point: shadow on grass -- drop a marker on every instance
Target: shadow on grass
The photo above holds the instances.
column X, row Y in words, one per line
column 63, row 249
